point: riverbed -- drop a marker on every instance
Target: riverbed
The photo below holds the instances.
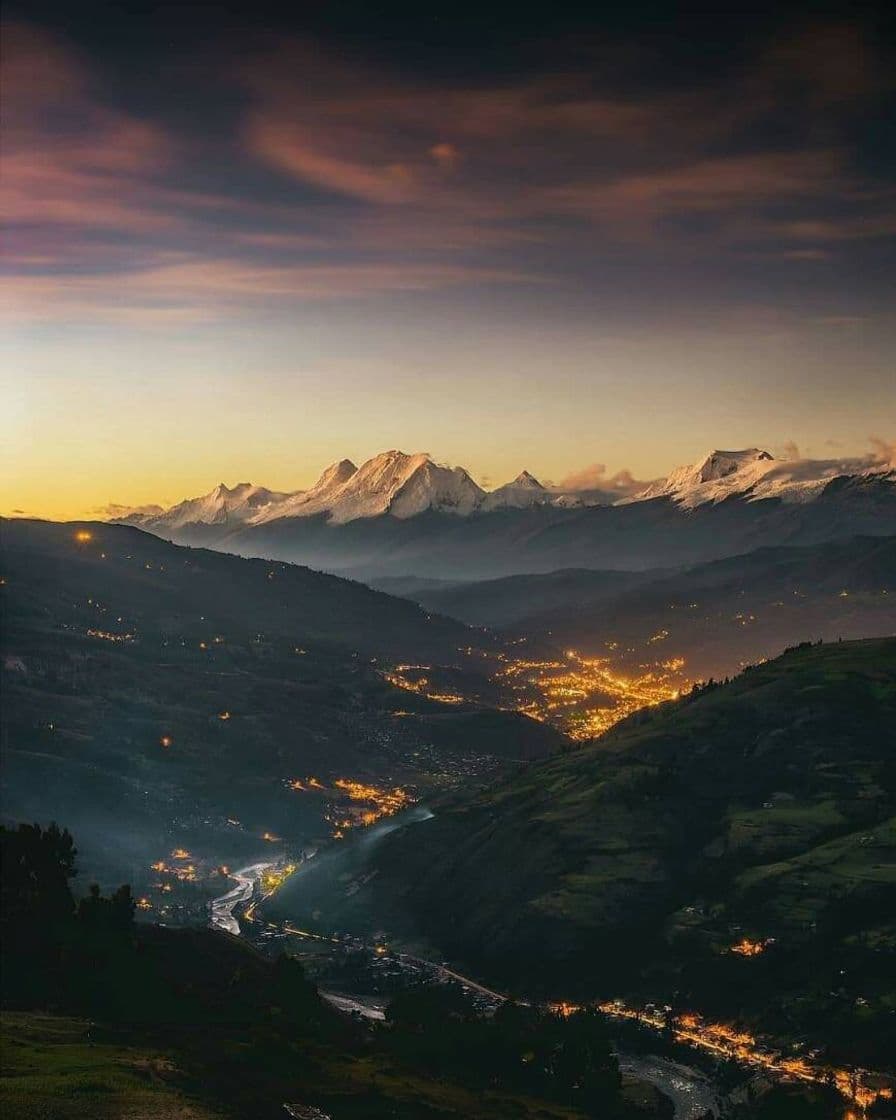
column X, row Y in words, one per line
column 221, row 910
column 692, row 1094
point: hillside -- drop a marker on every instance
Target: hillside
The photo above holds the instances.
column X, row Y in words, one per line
column 164, row 583
column 762, row 808
column 157, row 696
column 719, row 616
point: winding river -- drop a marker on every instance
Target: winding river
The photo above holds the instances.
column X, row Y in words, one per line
column 221, row 909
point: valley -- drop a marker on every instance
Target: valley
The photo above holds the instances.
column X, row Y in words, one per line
column 442, row 802
column 580, row 696
column 595, row 864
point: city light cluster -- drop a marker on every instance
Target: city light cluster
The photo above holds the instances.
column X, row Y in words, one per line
column 562, row 692
column 420, row 685
column 108, row 636
column 748, row 948
column 367, row 803
column 861, row 1087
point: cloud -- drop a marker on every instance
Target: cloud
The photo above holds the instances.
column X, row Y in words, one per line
column 644, row 200
column 805, row 255
column 114, row 510
column 446, row 156
column 883, row 451
column 594, row 477
column 550, row 145
column 335, row 177
column 882, row 454
column 192, row 289
column 293, row 149
column 70, row 160
column 843, row 227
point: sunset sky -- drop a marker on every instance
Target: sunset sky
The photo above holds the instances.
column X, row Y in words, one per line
column 242, row 246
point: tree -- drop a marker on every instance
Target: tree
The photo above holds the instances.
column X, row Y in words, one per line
column 37, row 907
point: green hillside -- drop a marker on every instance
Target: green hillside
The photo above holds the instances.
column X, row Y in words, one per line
column 761, row 808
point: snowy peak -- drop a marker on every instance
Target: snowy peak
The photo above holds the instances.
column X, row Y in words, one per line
column 524, row 492
column 751, row 474
column 735, row 466
column 429, row 486
column 403, row 485
column 721, row 464
column 335, row 475
column 393, row 482
column 215, row 508
column 524, row 480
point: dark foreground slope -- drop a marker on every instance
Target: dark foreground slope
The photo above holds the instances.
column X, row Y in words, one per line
column 719, row 616
column 760, row 808
column 146, row 684
column 193, row 1024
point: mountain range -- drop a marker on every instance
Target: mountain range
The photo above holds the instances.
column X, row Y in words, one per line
column 406, row 515
column 399, row 515
column 404, row 486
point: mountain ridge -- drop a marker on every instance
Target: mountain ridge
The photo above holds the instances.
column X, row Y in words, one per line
column 404, row 485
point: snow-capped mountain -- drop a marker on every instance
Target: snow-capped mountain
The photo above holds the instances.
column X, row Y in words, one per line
column 391, row 483
column 366, row 521
column 305, row 503
column 753, row 474
column 221, row 506
column 524, row 492
column 402, row 486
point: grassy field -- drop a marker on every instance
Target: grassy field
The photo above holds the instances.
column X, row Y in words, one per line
column 53, row 1071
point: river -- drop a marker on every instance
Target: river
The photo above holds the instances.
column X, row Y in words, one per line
column 221, row 909
column 692, row 1094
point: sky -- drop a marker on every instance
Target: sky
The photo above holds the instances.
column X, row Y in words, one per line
column 242, row 244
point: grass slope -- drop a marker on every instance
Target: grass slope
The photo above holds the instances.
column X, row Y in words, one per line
column 54, row 1070
column 764, row 806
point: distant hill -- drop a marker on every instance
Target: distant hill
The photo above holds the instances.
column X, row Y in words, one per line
column 164, row 583
column 148, row 686
column 719, row 616
column 527, row 602
column 763, row 808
